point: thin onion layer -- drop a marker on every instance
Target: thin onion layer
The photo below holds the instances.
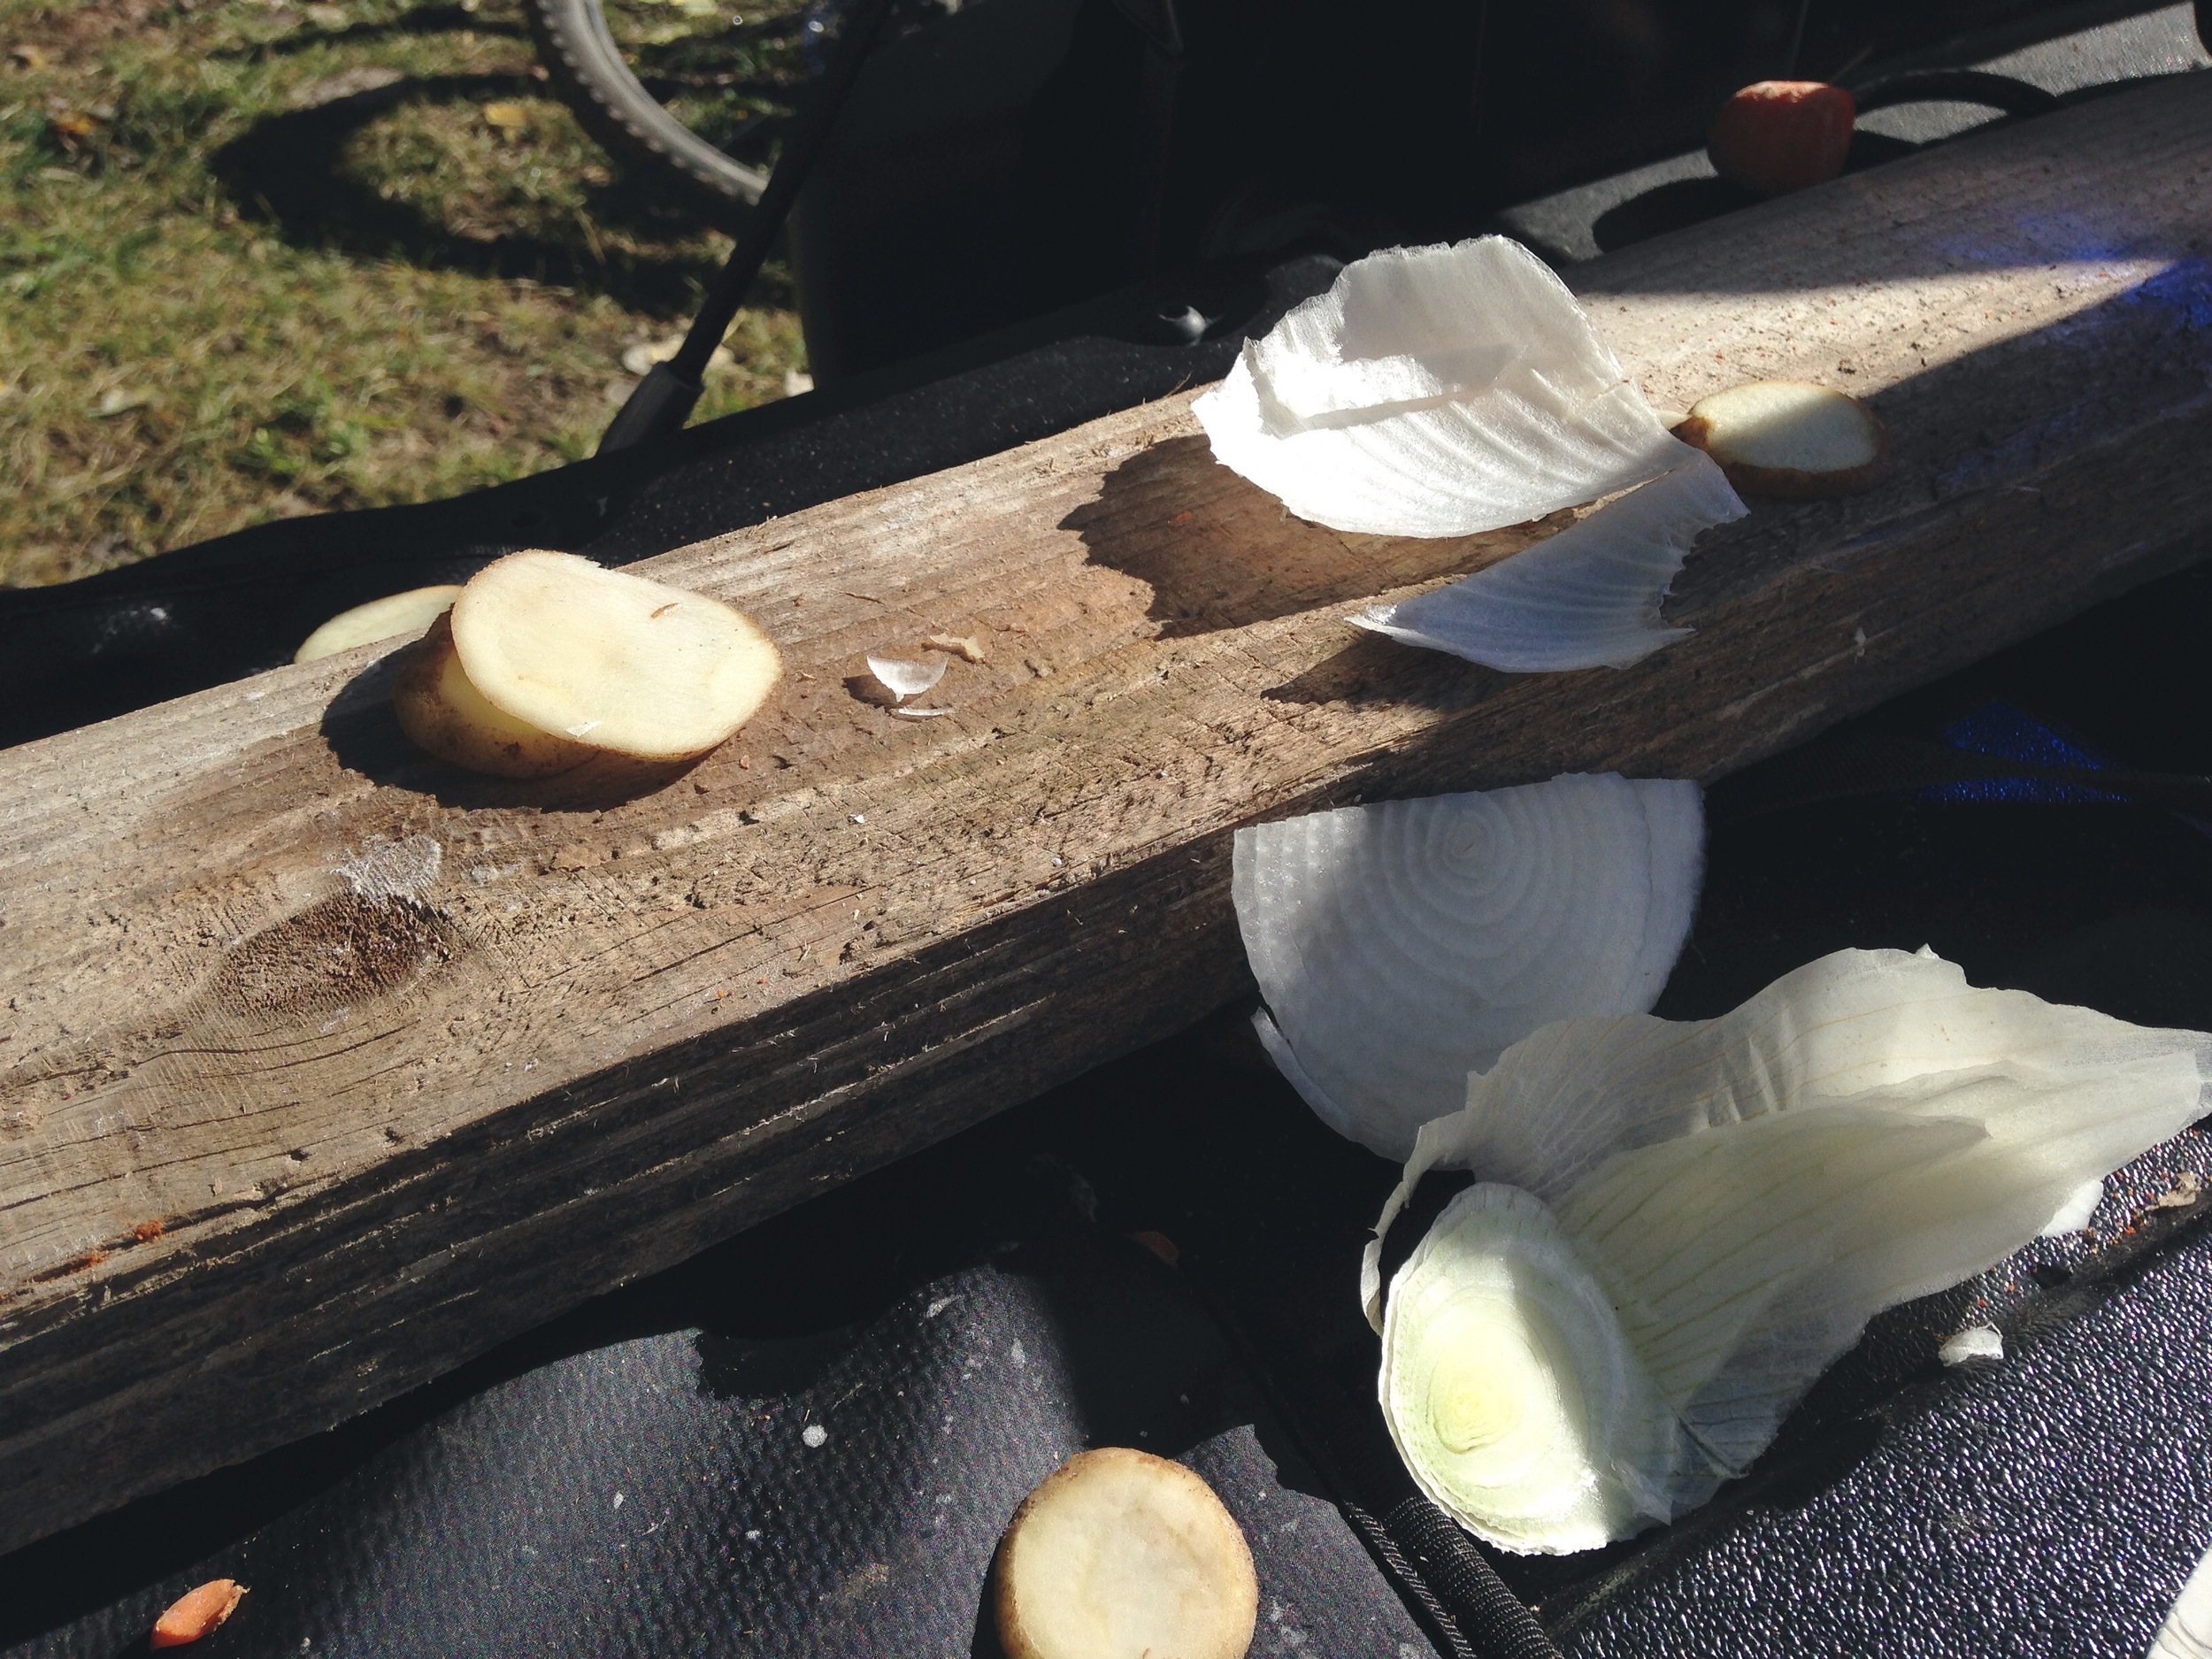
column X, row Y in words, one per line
column 1436, row 391
column 1588, row 597
column 1401, row 946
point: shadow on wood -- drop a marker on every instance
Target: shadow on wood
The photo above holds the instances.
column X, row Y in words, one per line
column 1374, row 671
column 1217, row 552
column 365, row 737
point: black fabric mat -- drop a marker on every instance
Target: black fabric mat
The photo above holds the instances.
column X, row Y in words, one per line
column 836, row 1492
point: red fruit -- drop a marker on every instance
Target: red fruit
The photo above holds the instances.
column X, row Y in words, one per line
column 1776, row 136
column 196, row 1613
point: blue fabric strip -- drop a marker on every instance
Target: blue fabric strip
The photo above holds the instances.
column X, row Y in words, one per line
column 2000, row 729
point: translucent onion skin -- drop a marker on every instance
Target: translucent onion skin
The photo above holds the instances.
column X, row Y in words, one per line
column 1587, row 597
column 1436, row 391
column 905, row 678
column 1401, row 946
column 1745, row 1192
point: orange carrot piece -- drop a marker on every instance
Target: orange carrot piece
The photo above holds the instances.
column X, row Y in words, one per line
column 196, row 1613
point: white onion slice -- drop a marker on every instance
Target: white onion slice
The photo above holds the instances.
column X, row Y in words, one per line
column 1505, row 1382
column 1747, row 1192
column 1401, row 946
column 1435, row 391
column 1587, row 597
column 904, row 678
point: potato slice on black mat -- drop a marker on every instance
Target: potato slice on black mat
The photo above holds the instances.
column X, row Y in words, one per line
column 1121, row 1553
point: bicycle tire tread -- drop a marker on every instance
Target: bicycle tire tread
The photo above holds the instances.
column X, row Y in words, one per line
column 618, row 111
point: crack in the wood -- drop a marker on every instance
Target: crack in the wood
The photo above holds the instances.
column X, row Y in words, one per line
column 285, row 1065
column 625, row 943
column 370, row 1077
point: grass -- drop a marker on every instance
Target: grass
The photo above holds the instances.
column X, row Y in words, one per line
column 260, row 259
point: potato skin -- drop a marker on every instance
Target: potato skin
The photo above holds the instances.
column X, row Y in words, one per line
column 197, row 1614
column 378, row 619
column 1775, row 136
column 440, row 711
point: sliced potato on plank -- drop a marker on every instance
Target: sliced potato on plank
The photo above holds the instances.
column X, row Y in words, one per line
column 440, row 710
column 378, row 619
column 608, row 659
column 1119, row 1553
column 1789, row 439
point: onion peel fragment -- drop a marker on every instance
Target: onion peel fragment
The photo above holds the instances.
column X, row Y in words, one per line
column 1435, row 391
column 1400, row 946
column 902, row 678
column 1587, row 597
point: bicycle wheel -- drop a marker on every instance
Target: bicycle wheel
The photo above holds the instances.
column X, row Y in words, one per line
column 595, row 76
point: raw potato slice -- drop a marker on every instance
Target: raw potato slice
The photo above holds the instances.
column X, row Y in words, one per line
column 1121, row 1554
column 1789, row 439
column 612, row 660
column 378, row 619
column 440, row 711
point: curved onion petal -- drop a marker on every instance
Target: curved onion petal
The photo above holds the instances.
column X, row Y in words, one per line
column 1587, row 597
column 903, row 679
column 2187, row 1632
column 1401, row 946
column 1748, row 1191
column 1436, row 391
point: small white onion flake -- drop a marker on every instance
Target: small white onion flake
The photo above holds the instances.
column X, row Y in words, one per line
column 1977, row 1341
column 1435, row 391
column 1401, row 946
column 904, row 678
column 1587, row 597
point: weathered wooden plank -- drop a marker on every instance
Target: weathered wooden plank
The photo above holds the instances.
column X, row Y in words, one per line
column 326, row 1067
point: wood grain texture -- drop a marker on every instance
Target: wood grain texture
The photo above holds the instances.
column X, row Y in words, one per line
column 325, row 1066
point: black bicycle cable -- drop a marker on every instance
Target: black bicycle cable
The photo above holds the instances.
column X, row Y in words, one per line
column 662, row 401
